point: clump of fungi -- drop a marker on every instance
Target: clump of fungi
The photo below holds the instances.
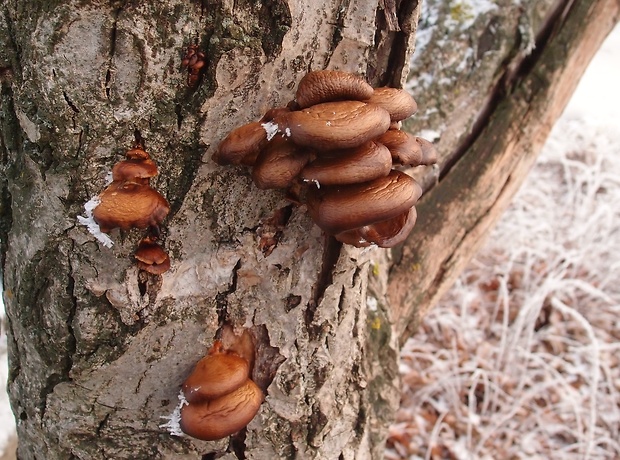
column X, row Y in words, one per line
column 220, row 398
column 130, row 202
column 194, row 60
column 336, row 146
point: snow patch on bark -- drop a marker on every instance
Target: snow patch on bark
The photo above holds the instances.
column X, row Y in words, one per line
column 93, row 227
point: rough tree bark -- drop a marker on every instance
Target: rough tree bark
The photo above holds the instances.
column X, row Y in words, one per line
column 97, row 350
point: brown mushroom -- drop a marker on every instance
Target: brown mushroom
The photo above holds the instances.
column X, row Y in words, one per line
column 351, row 166
column 397, row 102
column 217, row 418
column 129, row 204
column 151, row 257
column 215, row 375
column 220, row 396
column 137, row 153
column 385, row 234
column 140, row 170
column 331, row 85
column 429, row 153
column 403, row 147
column 279, row 164
column 334, row 125
column 339, row 208
column 242, row 145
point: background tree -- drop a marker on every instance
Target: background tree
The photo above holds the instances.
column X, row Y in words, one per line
column 98, row 350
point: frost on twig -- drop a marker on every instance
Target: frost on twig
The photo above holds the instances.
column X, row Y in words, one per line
column 173, row 425
column 92, row 225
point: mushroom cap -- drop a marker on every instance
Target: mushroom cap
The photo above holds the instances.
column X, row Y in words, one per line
column 331, row 85
column 242, row 145
column 351, row 166
column 335, row 125
column 134, row 169
column 385, row 234
column 214, row 376
column 403, row 146
column 429, row 153
column 151, row 257
column 221, row 417
column 279, row 163
column 137, row 153
column 397, row 102
column 339, row 208
column 130, row 204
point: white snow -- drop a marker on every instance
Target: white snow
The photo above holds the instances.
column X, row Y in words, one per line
column 173, row 425
column 271, row 129
column 92, row 225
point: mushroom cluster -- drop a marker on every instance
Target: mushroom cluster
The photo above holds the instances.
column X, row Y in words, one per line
column 335, row 148
column 220, row 397
column 194, row 60
column 130, row 202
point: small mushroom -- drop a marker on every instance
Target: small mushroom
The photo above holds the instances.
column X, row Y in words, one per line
column 397, row 102
column 385, row 234
column 217, row 418
column 351, row 166
column 279, row 164
column 139, row 170
column 403, row 146
column 429, row 153
column 130, row 204
column 216, row 375
column 335, row 125
column 331, row 85
column 151, row 257
column 221, row 397
column 339, row 208
column 242, row 145
column 137, row 153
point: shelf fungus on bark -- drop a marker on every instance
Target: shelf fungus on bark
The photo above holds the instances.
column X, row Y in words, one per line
column 366, row 162
column 130, row 202
column 331, row 85
column 194, row 60
column 345, row 177
column 220, row 396
column 151, row 257
column 344, row 207
column 126, row 205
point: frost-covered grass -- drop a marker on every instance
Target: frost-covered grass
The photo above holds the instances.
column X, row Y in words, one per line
column 521, row 359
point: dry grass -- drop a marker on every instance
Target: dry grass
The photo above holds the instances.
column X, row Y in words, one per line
column 521, row 359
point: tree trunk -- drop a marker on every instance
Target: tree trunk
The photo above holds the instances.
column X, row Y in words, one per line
column 98, row 351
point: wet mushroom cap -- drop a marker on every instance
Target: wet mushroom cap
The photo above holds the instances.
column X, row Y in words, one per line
column 151, row 257
column 137, row 153
column 403, row 146
column 385, row 234
column 279, row 164
column 339, row 208
column 335, row 125
column 221, row 417
column 351, row 166
column 134, row 169
column 331, row 85
column 429, row 153
column 397, row 102
column 242, row 145
column 130, row 204
column 214, row 376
